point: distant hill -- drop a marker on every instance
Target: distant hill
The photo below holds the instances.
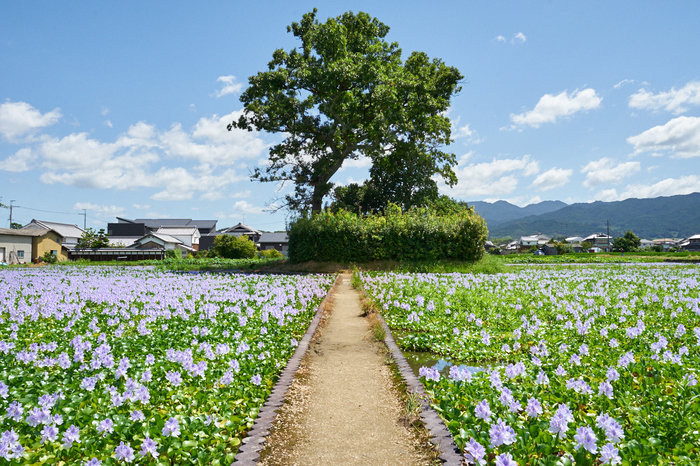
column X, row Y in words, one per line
column 661, row 217
column 501, row 212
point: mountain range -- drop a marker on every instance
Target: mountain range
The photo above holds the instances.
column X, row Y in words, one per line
column 661, row 217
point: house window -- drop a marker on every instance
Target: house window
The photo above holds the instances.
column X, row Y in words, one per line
column 54, row 252
column 20, row 254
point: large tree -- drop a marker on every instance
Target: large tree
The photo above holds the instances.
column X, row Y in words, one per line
column 344, row 94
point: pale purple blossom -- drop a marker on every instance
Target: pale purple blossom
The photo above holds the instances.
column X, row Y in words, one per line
column 474, row 452
column 171, row 428
column 124, row 452
column 505, row 459
column 149, row 447
column 501, row 434
column 483, row 410
column 609, row 455
column 70, row 436
column 585, row 437
column 559, row 423
column 534, row 408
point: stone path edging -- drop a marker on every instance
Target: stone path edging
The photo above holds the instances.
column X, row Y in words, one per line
column 439, row 433
column 249, row 452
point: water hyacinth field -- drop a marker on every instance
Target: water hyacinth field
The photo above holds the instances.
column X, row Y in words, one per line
column 114, row 366
column 584, row 365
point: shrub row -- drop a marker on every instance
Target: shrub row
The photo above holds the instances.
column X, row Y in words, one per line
column 417, row 235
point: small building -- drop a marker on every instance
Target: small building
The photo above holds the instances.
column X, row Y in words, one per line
column 242, row 229
column 188, row 235
column 29, row 244
column 161, row 241
column 690, row 244
column 645, row 244
column 574, row 240
column 600, row 241
column 549, row 250
column 16, row 245
column 279, row 241
column 69, row 233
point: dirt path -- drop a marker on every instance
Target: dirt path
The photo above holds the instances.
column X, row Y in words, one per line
column 342, row 407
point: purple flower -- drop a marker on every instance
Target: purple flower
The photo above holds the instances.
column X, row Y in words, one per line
column 604, row 388
column 4, row 390
column 149, row 447
column 609, row 454
column 534, row 408
column 124, row 452
column 505, row 459
column 542, row 378
column 174, row 378
column 613, row 429
column 501, row 434
column 559, row 424
column 137, row 416
column 49, row 432
column 14, row 411
column 612, row 374
column 227, row 378
column 71, row 435
column 106, row 426
column 9, row 445
column 171, row 428
column 483, row 410
column 93, row 462
column 256, row 379
column 585, row 437
column 474, row 452
column 459, row 374
column 430, row 373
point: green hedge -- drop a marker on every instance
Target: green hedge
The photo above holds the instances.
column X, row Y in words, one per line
column 417, row 235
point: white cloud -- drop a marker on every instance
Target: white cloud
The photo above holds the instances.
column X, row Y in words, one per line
column 494, row 178
column 240, row 194
column 500, row 39
column 231, row 86
column 361, row 162
column 19, row 118
column 519, row 37
column 105, row 111
column 623, row 82
column 20, row 161
column 245, row 207
column 108, row 123
column 668, row 187
column 680, row 136
column 143, row 157
column 110, row 210
column 553, row 178
column 607, row 170
column 551, row 107
column 675, row 100
column 141, row 206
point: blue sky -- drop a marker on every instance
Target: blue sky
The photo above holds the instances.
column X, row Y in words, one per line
column 120, row 108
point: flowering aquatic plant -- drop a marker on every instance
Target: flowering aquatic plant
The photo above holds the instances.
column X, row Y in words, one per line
column 108, row 366
column 586, row 365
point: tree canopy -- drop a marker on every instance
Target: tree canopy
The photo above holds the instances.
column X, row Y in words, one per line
column 627, row 243
column 93, row 239
column 344, row 94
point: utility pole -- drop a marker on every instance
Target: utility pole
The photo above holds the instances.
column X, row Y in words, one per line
column 608, row 235
column 84, row 219
column 11, row 201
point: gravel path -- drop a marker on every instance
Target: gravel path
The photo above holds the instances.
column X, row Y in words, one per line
column 342, row 407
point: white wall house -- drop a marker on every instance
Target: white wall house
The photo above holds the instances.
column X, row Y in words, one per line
column 70, row 233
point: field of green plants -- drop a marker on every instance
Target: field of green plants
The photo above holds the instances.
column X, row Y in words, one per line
column 106, row 365
column 587, row 365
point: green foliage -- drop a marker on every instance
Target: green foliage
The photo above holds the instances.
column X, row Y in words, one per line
column 628, row 243
column 234, row 247
column 93, row 239
column 270, row 254
column 49, row 258
column 15, row 226
column 417, row 235
column 346, row 93
column 173, row 254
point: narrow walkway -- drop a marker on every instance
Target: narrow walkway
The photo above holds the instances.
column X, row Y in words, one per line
column 342, row 409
